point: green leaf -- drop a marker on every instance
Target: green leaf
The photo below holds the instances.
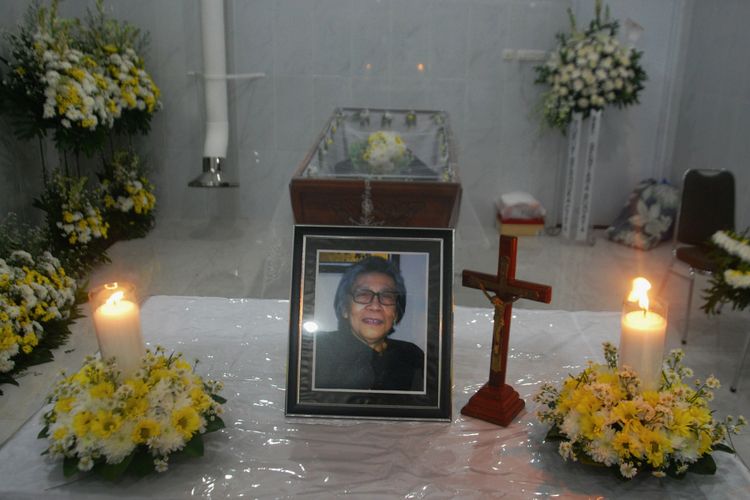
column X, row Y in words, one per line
column 43, row 433
column 194, row 447
column 724, row 448
column 113, row 472
column 554, row 434
column 142, row 464
column 214, row 425
column 70, row 466
column 587, row 460
column 218, row 399
column 704, row 465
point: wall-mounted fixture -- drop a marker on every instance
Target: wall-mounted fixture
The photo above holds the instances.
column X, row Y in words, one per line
column 215, row 82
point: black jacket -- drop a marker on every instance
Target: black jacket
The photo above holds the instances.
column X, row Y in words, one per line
column 342, row 361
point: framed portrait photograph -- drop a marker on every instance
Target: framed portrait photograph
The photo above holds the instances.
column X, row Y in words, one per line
column 371, row 323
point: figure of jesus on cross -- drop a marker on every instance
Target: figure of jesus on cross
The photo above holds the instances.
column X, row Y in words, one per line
column 496, row 401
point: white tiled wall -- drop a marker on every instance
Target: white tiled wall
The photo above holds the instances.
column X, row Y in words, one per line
column 319, row 54
column 714, row 115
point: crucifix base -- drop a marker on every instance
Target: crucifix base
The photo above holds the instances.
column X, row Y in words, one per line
column 495, row 405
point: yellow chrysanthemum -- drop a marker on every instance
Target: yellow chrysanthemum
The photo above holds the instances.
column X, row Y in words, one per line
column 186, row 421
column 103, row 390
column 656, row 446
column 135, row 407
column 624, row 412
column 60, row 433
column 64, row 405
column 145, row 429
column 105, row 423
column 201, row 400
column 138, row 386
column 82, row 423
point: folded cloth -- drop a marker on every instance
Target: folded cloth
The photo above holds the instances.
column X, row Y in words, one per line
column 519, row 205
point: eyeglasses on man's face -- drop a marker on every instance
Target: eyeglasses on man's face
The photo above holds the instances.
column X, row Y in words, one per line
column 365, row 296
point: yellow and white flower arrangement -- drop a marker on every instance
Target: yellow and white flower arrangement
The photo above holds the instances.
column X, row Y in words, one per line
column 129, row 199
column 137, row 89
column 731, row 284
column 112, row 424
column 125, row 186
column 82, row 224
column 383, row 152
column 79, row 221
column 77, row 93
column 78, row 79
column 37, row 299
column 589, row 70
column 602, row 416
column 77, row 231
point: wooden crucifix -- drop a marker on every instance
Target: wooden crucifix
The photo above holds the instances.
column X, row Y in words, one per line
column 496, row 401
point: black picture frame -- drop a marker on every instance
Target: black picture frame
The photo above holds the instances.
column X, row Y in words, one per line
column 424, row 257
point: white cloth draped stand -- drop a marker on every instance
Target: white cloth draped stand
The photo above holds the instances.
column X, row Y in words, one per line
column 261, row 453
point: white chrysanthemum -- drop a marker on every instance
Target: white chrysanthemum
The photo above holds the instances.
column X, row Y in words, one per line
column 168, row 441
column 737, row 279
column 120, row 444
column 571, row 425
column 737, row 248
column 384, row 150
column 602, row 451
column 628, row 470
column 161, row 464
column 566, row 451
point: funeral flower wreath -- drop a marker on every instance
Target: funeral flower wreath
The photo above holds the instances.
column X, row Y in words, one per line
column 603, row 417
column 37, row 302
column 589, row 70
column 111, row 424
column 731, row 284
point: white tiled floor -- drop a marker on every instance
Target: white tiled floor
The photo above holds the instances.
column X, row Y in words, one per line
column 241, row 258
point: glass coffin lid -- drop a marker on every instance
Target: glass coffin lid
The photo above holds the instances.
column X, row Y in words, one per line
column 379, row 167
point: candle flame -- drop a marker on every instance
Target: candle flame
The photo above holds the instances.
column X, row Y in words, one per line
column 114, row 299
column 639, row 293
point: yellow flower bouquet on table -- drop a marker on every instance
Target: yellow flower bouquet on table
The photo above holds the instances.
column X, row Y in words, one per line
column 603, row 417
column 103, row 422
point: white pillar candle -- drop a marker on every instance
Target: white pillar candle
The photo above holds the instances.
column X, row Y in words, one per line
column 642, row 337
column 118, row 326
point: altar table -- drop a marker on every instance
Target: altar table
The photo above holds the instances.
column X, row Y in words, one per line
column 261, row 453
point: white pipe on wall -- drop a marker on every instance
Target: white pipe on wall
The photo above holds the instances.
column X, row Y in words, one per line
column 215, row 63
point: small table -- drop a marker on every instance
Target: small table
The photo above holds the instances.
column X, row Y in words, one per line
column 261, row 453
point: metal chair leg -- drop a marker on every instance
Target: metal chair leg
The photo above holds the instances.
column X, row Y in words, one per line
column 664, row 280
column 689, row 306
column 738, row 373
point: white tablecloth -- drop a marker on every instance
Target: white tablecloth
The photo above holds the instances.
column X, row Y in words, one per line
column 263, row 454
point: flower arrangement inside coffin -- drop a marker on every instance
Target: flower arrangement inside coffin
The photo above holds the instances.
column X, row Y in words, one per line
column 379, row 167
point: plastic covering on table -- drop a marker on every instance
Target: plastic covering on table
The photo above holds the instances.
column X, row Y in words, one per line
column 262, row 453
